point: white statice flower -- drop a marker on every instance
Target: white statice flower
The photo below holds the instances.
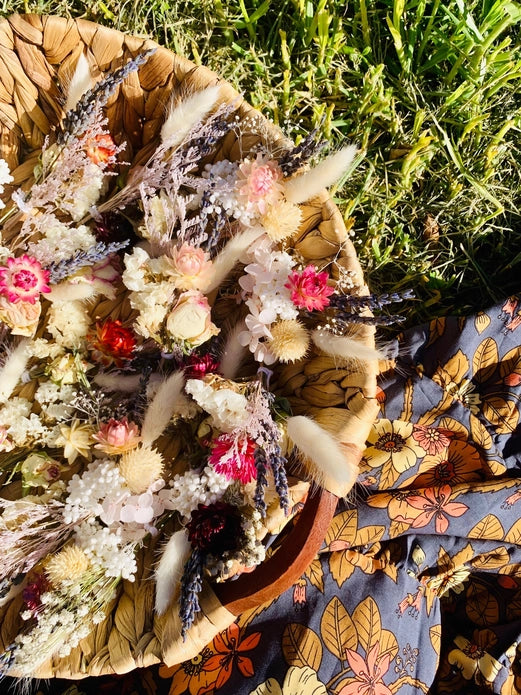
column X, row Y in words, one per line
column 87, row 191
column 153, row 304
column 42, row 348
column 135, row 269
column 68, row 323
column 107, row 549
column 192, row 488
column 5, row 177
column 55, row 400
column 60, row 241
column 228, row 409
column 20, row 427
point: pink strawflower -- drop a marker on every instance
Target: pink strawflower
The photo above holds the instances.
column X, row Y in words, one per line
column 309, row 289
column 258, row 182
column 23, row 279
column 192, row 267
column 234, row 457
column 117, row 436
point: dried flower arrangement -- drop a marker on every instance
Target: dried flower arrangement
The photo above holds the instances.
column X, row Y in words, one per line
column 158, row 415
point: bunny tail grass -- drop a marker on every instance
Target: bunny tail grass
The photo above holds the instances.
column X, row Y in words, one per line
column 184, row 115
column 345, row 348
column 71, row 292
column 233, row 352
column 167, row 399
column 170, row 569
column 81, row 82
column 321, row 451
column 309, row 184
column 228, row 257
column 13, row 369
column 118, row 382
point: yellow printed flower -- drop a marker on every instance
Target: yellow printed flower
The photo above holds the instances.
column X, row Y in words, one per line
column 472, row 658
column 392, row 441
column 298, row 681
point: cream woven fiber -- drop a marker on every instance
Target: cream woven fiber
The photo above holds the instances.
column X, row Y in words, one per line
column 36, row 54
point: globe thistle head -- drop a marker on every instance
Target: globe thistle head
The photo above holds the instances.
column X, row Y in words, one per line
column 289, row 340
column 67, row 566
column 141, row 467
column 282, row 220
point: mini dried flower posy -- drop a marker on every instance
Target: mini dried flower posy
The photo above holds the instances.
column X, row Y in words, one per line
column 206, row 290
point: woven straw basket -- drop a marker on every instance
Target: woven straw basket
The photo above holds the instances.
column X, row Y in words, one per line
column 36, row 53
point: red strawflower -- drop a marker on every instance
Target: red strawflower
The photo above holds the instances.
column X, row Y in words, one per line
column 309, row 289
column 198, row 366
column 101, row 148
column 215, row 527
column 113, row 343
column 234, row 457
column 33, row 591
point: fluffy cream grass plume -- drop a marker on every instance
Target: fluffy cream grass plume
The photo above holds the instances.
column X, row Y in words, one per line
column 227, row 258
column 13, row 369
column 233, row 352
column 169, row 396
column 81, row 82
column 71, row 292
column 344, row 348
column 321, row 451
column 184, row 114
column 170, row 569
column 309, row 184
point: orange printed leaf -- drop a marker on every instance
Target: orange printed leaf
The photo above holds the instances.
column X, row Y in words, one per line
column 315, row 574
column 493, row 559
column 435, row 636
column 343, row 528
column 488, row 528
column 366, row 617
column 485, row 360
column 479, row 433
column 513, row 535
column 501, row 413
column 301, row 646
column 341, row 567
column 481, row 606
column 388, row 644
column 337, row 629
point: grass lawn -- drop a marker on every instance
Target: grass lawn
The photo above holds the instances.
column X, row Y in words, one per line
column 430, row 89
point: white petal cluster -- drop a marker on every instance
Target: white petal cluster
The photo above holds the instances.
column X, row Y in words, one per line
column 86, row 493
column 107, row 549
column 5, row 177
column 227, row 408
column 60, row 242
column 266, row 297
column 193, row 488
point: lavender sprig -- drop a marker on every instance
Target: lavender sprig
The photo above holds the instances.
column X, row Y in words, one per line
column 191, row 586
column 278, row 466
column 81, row 259
column 77, row 120
column 262, row 481
column 295, row 159
column 371, row 301
column 342, row 319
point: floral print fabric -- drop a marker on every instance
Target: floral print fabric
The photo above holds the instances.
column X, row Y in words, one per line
column 418, row 585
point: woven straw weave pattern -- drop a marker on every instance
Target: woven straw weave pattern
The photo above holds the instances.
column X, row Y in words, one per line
column 36, row 56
